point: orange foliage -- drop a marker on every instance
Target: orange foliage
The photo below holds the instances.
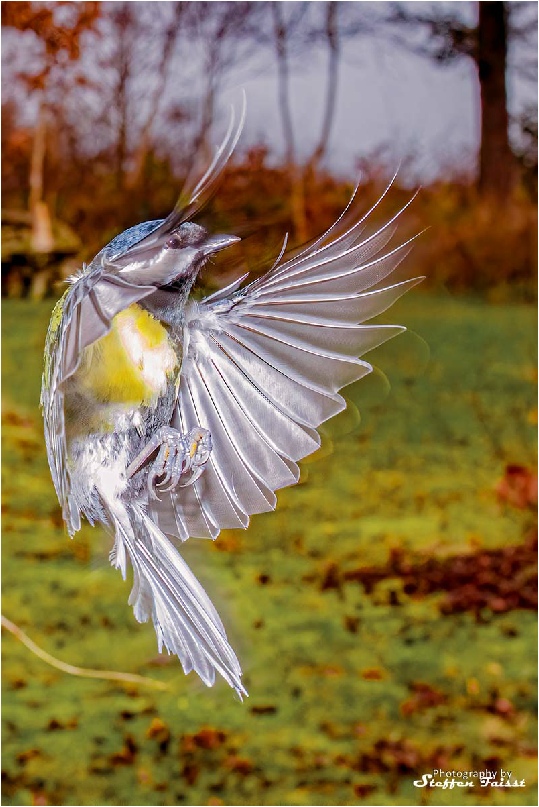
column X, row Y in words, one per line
column 42, row 20
column 470, row 243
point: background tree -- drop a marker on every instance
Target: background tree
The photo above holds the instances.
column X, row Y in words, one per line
column 330, row 33
column 496, row 160
column 221, row 33
column 171, row 31
column 445, row 36
column 105, row 107
column 295, row 30
column 58, row 30
column 284, row 26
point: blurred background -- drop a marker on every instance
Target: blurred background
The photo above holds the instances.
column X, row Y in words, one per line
column 384, row 615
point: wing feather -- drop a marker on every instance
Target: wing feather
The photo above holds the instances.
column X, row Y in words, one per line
column 297, row 397
column 320, row 308
column 243, row 470
column 213, row 487
column 264, row 418
column 263, row 366
column 192, row 199
column 315, row 366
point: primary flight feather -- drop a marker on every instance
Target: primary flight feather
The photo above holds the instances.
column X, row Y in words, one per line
column 170, row 418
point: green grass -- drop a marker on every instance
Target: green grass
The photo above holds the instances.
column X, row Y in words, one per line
column 328, row 718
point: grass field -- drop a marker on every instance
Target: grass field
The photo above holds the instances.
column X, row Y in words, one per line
column 383, row 614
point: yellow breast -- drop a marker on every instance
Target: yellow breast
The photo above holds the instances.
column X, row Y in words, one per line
column 132, row 363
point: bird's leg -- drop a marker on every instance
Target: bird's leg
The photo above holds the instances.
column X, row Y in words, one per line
column 178, row 454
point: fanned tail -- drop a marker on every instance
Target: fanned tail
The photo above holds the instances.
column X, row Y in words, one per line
column 165, row 589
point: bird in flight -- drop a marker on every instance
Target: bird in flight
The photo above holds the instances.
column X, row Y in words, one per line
column 168, row 418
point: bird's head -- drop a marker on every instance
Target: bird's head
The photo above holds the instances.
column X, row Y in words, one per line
column 193, row 237
column 168, row 257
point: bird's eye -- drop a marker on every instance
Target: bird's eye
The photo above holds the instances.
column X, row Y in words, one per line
column 175, row 242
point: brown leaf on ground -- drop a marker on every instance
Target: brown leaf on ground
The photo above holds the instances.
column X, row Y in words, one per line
column 518, row 487
column 263, row 710
column 208, row 738
column 423, row 697
column 363, row 791
column 25, row 756
column 500, row 580
column 239, row 765
column 159, row 731
column 127, row 753
column 190, row 773
column 373, row 674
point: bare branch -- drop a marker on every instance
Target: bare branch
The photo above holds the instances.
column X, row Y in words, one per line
column 70, row 669
column 170, row 37
column 444, row 36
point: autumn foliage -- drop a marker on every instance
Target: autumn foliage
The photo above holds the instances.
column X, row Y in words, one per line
column 98, row 160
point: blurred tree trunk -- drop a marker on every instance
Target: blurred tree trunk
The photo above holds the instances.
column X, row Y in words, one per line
column 224, row 34
column 42, row 240
column 297, row 191
column 326, row 32
column 331, row 32
column 446, row 38
column 283, row 77
column 125, row 23
column 496, row 160
column 141, row 154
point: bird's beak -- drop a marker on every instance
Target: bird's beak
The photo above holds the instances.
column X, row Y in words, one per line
column 218, row 242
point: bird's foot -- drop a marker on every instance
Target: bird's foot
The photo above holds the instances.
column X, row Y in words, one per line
column 178, row 455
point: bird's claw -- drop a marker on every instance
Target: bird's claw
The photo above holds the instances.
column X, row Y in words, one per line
column 199, row 441
column 178, row 455
column 168, row 465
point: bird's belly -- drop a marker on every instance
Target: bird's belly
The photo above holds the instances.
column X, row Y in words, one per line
column 132, row 364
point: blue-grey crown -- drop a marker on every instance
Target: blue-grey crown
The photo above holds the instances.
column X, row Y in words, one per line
column 122, row 242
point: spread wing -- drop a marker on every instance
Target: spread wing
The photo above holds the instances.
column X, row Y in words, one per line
column 262, row 369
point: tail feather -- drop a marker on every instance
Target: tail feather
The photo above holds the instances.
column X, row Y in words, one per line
column 185, row 620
